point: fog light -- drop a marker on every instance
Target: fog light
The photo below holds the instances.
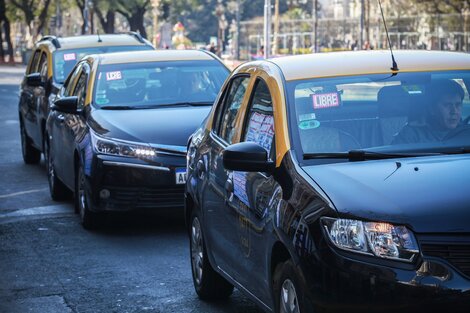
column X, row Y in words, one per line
column 104, row 194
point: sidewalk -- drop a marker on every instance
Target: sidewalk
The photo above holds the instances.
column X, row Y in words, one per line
column 11, row 74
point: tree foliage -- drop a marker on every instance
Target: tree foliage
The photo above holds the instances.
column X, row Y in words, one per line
column 35, row 12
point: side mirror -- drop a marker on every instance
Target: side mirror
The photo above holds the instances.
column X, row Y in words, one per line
column 66, row 105
column 34, row 80
column 247, row 157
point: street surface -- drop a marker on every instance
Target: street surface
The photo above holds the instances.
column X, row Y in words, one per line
column 49, row 263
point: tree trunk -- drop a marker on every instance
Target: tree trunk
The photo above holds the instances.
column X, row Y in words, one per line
column 8, row 40
column 43, row 17
column 2, row 52
column 110, row 17
column 136, row 22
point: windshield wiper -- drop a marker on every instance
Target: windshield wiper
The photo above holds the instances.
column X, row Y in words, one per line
column 118, row 107
column 155, row 106
column 363, row 155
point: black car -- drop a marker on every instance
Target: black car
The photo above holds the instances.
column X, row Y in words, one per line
column 314, row 187
column 51, row 62
column 117, row 134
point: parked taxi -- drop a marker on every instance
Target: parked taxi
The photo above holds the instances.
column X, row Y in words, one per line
column 52, row 60
column 336, row 182
column 117, row 134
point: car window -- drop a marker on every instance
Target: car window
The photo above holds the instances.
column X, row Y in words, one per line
column 34, row 63
column 259, row 122
column 153, row 84
column 70, row 82
column 425, row 111
column 80, row 88
column 42, row 68
column 65, row 60
column 231, row 105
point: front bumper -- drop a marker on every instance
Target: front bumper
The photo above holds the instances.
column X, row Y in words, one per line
column 124, row 184
column 341, row 281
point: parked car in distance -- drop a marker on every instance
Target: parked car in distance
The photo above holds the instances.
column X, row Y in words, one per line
column 332, row 182
column 117, row 134
column 53, row 59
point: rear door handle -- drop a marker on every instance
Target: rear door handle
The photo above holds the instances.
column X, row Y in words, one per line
column 229, row 186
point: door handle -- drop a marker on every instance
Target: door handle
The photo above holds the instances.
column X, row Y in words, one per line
column 229, row 186
column 61, row 118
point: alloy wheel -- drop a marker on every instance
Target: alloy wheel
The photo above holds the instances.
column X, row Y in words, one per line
column 289, row 302
column 197, row 256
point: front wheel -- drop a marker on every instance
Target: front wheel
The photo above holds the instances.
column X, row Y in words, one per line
column 57, row 188
column 286, row 289
column 31, row 155
column 90, row 220
column 208, row 283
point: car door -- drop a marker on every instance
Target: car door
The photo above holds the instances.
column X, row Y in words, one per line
column 57, row 125
column 219, row 224
column 40, row 100
column 254, row 196
column 28, row 99
column 73, row 126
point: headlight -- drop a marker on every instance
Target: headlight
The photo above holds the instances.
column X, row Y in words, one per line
column 374, row 238
column 121, row 148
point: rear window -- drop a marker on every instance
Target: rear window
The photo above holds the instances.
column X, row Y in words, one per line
column 65, row 60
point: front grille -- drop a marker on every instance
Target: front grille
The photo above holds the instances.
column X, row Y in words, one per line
column 456, row 254
column 147, row 198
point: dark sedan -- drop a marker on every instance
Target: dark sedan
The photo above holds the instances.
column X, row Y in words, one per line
column 314, row 187
column 117, row 135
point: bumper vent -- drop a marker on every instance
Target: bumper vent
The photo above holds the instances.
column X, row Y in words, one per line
column 456, row 254
column 146, row 198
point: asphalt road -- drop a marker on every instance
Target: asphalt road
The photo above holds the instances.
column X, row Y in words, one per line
column 49, row 263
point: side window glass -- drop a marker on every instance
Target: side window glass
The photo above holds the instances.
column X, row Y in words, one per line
column 232, row 102
column 69, row 83
column 259, row 122
column 42, row 68
column 80, row 89
column 34, row 63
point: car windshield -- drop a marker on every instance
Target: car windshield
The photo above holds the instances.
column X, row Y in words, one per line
column 425, row 112
column 65, row 60
column 153, row 84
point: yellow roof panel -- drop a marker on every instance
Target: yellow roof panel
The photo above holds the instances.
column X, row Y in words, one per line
column 154, row 56
column 368, row 62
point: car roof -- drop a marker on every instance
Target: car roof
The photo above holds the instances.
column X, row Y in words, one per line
column 85, row 41
column 367, row 62
column 153, row 56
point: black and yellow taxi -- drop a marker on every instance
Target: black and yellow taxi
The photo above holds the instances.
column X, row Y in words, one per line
column 52, row 60
column 336, row 182
column 116, row 135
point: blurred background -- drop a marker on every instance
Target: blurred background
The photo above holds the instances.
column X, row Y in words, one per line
column 236, row 29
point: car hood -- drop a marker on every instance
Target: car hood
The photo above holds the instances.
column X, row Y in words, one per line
column 429, row 194
column 164, row 126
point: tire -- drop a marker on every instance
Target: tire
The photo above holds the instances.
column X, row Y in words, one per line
column 31, row 155
column 57, row 188
column 90, row 220
column 209, row 285
column 288, row 296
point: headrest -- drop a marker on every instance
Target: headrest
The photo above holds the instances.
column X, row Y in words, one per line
column 393, row 101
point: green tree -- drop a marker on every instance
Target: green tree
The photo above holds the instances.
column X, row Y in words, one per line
column 133, row 11
column 35, row 12
column 106, row 13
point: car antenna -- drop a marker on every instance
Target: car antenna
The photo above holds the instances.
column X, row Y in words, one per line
column 394, row 63
column 98, row 33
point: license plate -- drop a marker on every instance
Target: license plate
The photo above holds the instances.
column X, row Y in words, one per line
column 180, row 176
